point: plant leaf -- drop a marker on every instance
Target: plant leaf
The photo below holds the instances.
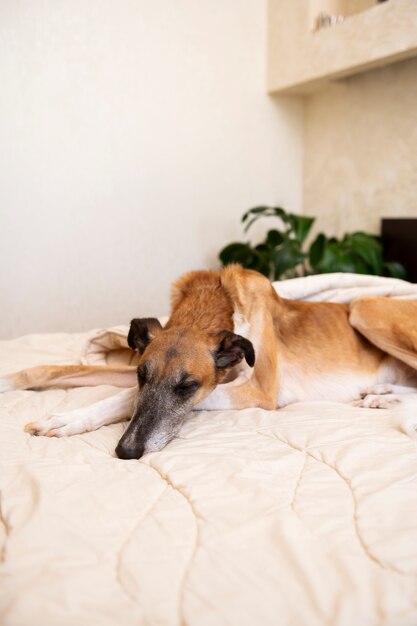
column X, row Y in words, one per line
column 365, row 247
column 372, row 257
column 300, row 225
column 394, row 269
column 335, row 259
column 236, row 252
column 282, row 213
column 262, row 261
column 286, row 257
column 274, row 238
column 255, row 211
column 259, row 212
column 317, row 250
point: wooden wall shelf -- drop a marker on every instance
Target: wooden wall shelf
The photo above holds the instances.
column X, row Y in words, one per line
column 301, row 61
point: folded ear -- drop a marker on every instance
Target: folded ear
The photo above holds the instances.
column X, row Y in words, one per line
column 232, row 349
column 142, row 331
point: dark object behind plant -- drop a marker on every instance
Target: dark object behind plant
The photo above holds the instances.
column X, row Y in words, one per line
column 283, row 254
column 399, row 240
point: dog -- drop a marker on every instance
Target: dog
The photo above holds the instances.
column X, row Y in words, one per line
column 231, row 343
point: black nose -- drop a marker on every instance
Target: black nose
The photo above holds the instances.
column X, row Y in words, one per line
column 129, row 452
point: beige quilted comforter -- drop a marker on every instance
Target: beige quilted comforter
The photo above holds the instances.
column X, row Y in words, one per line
column 303, row 516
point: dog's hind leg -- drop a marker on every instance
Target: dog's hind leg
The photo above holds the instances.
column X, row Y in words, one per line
column 64, row 376
column 107, row 411
column 389, row 324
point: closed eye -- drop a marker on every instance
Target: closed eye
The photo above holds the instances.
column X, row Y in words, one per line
column 187, row 388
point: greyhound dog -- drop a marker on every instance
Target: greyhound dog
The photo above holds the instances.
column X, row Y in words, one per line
column 230, row 343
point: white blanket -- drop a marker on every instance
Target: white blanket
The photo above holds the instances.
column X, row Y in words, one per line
column 305, row 516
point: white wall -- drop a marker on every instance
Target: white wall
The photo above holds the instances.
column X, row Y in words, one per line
column 361, row 150
column 133, row 134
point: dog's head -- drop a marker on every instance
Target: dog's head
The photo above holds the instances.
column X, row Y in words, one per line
column 177, row 370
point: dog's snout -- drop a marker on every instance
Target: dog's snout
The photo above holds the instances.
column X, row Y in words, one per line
column 129, row 452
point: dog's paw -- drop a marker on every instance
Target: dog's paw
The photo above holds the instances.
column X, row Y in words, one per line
column 45, row 426
column 380, row 390
column 378, row 401
column 55, row 425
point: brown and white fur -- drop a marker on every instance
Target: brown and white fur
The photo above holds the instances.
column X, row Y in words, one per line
column 231, row 342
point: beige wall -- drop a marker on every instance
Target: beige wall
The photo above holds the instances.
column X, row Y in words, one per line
column 360, row 160
column 133, row 135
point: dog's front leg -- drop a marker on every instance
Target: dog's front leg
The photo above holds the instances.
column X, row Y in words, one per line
column 107, row 411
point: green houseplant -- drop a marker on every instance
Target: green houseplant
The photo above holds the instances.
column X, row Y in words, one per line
column 284, row 254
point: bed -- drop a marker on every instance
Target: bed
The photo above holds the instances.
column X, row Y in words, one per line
column 302, row 516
